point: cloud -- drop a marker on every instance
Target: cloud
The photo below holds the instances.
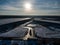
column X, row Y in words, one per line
column 47, row 4
column 40, row 7
column 7, row 7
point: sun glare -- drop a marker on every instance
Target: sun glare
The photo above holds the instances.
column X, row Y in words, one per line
column 27, row 6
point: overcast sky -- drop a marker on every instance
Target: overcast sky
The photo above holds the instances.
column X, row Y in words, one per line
column 34, row 7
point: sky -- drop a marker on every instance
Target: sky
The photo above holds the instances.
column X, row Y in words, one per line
column 29, row 7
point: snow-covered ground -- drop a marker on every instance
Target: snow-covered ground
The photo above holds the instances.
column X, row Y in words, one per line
column 40, row 31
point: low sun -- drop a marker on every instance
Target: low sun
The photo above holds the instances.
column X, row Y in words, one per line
column 28, row 6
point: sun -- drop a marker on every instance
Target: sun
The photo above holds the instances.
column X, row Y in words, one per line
column 28, row 6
